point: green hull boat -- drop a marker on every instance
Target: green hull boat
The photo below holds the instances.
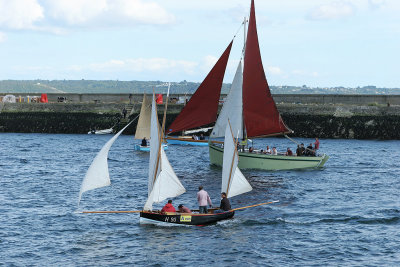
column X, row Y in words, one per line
column 268, row 162
column 252, row 113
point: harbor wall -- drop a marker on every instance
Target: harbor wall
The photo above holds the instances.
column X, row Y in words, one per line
column 306, row 120
column 279, row 98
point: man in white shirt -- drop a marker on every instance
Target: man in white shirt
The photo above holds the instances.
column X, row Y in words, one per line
column 203, row 198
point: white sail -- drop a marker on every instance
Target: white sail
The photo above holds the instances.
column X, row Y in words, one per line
column 167, row 184
column 143, row 126
column 163, row 182
column 232, row 108
column 233, row 181
column 154, row 147
column 97, row 175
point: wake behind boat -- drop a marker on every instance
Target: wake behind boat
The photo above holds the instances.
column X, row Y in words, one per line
column 254, row 114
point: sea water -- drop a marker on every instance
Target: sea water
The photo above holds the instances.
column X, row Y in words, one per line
column 345, row 214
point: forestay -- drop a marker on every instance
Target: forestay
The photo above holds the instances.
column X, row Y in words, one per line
column 261, row 116
column 233, row 181
column 97, row 175
column 232, row 108
column 202, row 107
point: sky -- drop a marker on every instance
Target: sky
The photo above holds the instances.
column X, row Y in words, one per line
column 318, row 43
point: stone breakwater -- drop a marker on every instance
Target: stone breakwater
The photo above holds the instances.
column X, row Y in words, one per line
column 306, row 120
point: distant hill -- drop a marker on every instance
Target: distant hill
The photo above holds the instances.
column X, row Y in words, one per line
column 184, row 87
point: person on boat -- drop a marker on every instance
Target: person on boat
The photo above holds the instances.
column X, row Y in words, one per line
column 203, row 198
column 144, row 142
column 243, row 144
column 310, row 150
column 316, row 145
column 267, row 151
column 251, row 149
column 168, row 207
column 202, row 137
column 274, row 151
column 302, row 149
column 289, row 152
column 183, row 209
column 298, row 151
column 225, row 204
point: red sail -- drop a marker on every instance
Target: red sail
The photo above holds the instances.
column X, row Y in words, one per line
column 261, row 116
column 202, row 107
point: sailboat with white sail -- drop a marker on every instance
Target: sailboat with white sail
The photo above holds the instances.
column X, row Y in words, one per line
column 254, row 114
column 163, row 182
column 144, row 125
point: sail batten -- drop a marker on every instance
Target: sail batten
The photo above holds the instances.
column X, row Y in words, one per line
column 202, row 107
column 261, row 116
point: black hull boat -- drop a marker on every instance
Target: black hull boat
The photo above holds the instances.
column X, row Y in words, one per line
column 186, row 218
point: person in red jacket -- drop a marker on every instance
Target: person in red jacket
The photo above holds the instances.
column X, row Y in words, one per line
column 168, row 207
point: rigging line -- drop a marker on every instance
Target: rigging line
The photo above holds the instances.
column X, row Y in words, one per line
column 112, row 211
column 256, row 205
column 238, row 30
column 294, row 141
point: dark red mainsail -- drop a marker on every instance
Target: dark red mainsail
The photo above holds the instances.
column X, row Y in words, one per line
column 202, row 107
column 261, row 116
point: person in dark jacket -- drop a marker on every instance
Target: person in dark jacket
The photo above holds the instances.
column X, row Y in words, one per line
column 144, row 142
column 225, row 204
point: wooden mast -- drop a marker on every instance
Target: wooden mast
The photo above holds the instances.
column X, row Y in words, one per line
column 233, row 158
column 160, row 134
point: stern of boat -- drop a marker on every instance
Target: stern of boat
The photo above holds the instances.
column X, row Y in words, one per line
column 323, row 160
column 216, row 154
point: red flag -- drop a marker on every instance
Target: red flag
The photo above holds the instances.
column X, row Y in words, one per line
column 43, row 99
column 159, row 99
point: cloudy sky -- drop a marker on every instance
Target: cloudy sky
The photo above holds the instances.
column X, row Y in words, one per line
column 303, row 42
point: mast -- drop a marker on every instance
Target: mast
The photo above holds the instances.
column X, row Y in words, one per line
column 143, row 125
column 233, row 158
column 244, row 35
column 244, row 137
column 165, row 114
column 163, row 182
column 233, row 181
column 202, row 107
column 261, row 115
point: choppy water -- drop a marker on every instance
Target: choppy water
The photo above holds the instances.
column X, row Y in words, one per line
column 347, row 214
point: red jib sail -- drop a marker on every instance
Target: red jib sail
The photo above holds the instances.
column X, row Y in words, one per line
column 261, row 116
column 202, row 107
